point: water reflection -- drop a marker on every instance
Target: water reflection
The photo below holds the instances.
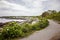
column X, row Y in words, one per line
column 4, row 20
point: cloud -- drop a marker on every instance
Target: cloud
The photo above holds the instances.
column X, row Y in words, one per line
column 5, row 4
column 11, row 9
column 27, row 7
column 52, row 5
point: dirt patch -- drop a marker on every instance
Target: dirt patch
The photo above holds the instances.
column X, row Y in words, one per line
column 56, row 37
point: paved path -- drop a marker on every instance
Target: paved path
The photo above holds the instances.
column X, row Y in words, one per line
column 50, row 33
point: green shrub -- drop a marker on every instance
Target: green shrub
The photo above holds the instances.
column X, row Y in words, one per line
column 1, row 37
column 14, row 29
column 54, row 16
column 43, row 23
column 36, row 26
column 40, row 25
column 26, row 27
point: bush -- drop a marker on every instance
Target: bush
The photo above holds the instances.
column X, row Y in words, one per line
column 40, row 25
column 26, row 27
column 14, row 29
column 43, row 23
column 36, row 26
column 54, row 16
column 11, row 30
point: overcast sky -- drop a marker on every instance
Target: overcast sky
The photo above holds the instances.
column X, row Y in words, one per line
column 27, row 7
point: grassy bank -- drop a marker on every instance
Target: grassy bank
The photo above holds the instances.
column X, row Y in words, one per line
column 14, row 29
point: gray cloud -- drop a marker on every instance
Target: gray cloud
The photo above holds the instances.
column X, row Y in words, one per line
column 52, row 5
column 27, row 7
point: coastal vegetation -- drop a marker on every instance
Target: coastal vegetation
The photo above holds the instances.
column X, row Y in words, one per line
column 15, row 29
column 52, row 14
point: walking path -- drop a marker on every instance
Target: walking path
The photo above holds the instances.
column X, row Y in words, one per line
column 52, row 32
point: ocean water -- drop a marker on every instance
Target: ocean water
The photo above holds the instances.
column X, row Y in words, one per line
column 4, row 20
